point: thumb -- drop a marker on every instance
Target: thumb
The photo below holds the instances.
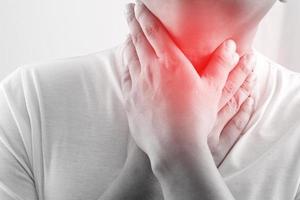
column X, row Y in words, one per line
column 222, row 61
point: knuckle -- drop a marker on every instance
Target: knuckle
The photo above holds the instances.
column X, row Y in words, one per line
column 222, row 58
column 246, row 110
column 152, row 29
column 137, row 37
column 229, row 87
column 238, row 124
column 251, row 79
column 244, row 68
column 247, row 87
column 226, row 58
column 233, row 105
column 247, row 63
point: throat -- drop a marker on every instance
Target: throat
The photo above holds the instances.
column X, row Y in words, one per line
column 199, row 52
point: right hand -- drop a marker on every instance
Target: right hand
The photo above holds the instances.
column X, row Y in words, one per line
column 138, row 162
column 201, row 99
column 234, row 113
column 171, row 109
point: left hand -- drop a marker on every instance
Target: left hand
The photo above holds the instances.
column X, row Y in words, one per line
column 138, row 166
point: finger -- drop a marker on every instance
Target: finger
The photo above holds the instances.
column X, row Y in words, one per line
column 233, row 130
column 154, row 30
column 126, row 83
column 233, row 106
column 143, row 48
column 221, row 63
column 131, row 61
column 236, row 78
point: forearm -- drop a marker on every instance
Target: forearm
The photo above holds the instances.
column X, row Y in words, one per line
column 124, row 187
column 185, row 179
column 135, row 181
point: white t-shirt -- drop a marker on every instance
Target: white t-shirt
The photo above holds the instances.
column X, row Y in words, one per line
column 64, row 132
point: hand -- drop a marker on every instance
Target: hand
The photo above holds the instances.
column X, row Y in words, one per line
column 171, row 110
column 221, row 142
column 138, row 161
column 234, row 116
column 219, row 190
column 221, row 138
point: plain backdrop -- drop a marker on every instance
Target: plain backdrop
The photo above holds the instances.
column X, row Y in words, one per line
column 34, row 30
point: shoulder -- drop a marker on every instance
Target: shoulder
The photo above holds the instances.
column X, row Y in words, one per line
column 50, row 90
column 63, row 85
column 68, row 76
column 283, row 73
column 280, row 83
column 71, row 71
column 280, row 96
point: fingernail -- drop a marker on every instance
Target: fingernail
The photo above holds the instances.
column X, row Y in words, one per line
column 230, row 45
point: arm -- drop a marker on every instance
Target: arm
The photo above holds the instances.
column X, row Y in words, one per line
column 136, row 180
column 192, row 179
column 181, row 181
column 182, row 111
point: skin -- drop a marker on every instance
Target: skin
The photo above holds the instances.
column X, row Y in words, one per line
column 208, row 23
column 195, row 176
column 231, row 120
column 162, row 82
column 167, row 93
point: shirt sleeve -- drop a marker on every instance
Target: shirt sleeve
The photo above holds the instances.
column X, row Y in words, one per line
column 16, row 174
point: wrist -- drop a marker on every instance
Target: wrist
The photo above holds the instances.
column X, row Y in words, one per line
column 192, row 177
column 182, row 177
column 180, row 161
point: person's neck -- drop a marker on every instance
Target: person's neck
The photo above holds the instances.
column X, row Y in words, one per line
column 199, row 46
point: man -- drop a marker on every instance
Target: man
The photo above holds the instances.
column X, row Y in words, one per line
column 64, row 124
